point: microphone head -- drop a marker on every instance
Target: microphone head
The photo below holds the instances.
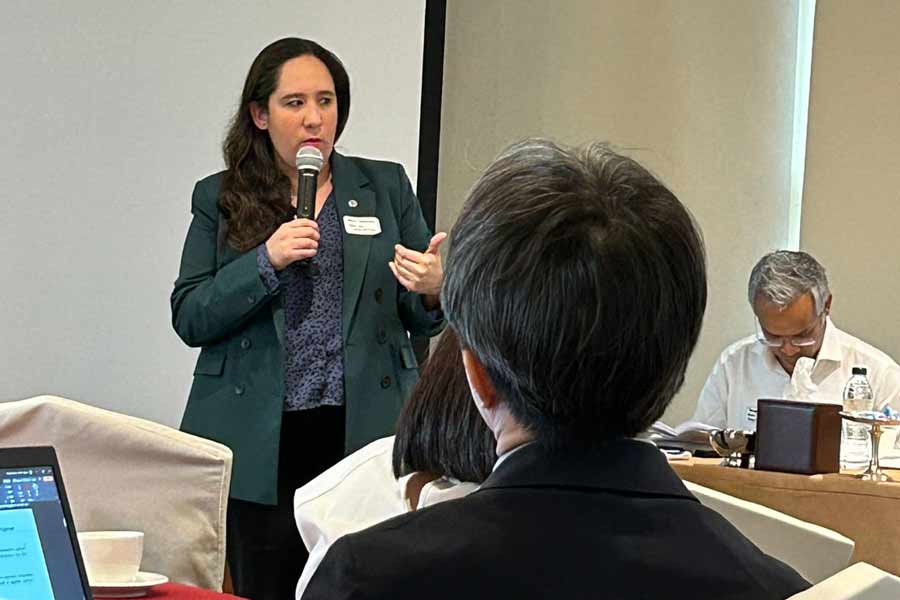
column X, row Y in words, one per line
column 309, row 158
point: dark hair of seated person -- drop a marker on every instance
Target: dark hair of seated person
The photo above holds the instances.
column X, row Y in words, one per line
column 439, row 430
column 578, row 281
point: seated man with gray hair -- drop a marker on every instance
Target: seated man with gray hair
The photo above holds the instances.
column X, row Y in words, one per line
column 789, row 294
column 576, row 283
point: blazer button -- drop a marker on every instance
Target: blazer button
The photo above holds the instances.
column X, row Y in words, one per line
column 245, row 343
column 381, row 336
column 239, row 390
column 379, row 295
column 386, row 382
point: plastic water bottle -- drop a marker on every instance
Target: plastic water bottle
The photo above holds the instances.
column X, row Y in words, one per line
column 855, row 445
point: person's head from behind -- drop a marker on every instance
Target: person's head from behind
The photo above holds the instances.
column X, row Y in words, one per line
column 296, row 93
column 789, row 294
column 577, row 284
column 439, row 431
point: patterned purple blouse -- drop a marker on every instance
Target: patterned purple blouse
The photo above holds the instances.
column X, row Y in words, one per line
column 314, row 292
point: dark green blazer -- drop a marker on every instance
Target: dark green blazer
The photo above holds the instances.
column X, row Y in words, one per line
column 221, row 305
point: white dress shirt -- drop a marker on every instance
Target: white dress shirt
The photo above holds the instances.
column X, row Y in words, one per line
column 356, row 493
column 747, row 371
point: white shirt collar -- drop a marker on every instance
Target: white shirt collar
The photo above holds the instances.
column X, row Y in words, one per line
column 509, row 453
column 831, row 344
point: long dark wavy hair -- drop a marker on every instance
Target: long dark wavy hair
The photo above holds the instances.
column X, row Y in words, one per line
column 439, row 430
column 256, row 195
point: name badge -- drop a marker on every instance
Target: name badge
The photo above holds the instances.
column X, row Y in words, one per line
column 362, row 225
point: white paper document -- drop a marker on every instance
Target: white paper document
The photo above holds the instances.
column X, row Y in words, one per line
column 690, row 435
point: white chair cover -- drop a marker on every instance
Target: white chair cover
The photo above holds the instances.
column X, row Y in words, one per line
column 861, row 581
column 126, row 473
column 814, row 551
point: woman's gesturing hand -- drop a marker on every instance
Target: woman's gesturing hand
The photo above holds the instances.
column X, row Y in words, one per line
column 293, row 241
column 420, row 272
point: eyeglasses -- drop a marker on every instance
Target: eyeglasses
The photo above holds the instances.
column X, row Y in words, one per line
column 800, row 341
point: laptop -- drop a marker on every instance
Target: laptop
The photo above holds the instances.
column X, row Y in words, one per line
column 39, row 554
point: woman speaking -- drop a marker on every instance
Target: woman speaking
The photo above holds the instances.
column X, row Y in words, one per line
column 302, row 322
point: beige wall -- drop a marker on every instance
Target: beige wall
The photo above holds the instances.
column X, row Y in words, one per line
column 851, row 219
column 700, row 91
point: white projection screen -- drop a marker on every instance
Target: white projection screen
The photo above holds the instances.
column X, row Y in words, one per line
column 112, row 110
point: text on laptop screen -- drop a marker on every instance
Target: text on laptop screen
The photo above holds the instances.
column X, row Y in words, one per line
column 37, row 561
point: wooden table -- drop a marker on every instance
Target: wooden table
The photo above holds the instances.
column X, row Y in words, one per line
column 867, row 512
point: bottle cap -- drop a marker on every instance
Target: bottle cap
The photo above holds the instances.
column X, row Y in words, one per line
column 859, row 370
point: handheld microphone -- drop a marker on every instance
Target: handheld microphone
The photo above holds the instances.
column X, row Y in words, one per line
column 309, row 162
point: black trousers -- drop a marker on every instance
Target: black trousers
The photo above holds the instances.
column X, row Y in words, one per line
column 264, row 550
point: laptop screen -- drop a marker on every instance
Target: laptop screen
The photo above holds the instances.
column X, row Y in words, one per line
column 38, row 559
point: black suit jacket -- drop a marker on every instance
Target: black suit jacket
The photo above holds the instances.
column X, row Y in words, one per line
column 613, row 523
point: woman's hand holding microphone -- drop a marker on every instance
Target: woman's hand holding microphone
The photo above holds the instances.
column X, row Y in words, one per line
column 295, row 240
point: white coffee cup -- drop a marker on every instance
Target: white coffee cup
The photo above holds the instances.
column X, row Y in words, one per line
column 111, row 556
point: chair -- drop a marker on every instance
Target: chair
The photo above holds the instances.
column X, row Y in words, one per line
column 126, row 473
column 861, row 581
column 813, row 551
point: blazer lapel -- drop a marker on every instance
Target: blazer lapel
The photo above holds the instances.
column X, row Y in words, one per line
column 355, row 199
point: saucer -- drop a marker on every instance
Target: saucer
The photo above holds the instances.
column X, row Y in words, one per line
column 142, row 583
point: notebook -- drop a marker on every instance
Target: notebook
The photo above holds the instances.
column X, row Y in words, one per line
column 39, row 554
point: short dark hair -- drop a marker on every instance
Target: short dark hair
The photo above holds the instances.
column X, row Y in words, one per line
column 579, row 281
column 439, row 430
